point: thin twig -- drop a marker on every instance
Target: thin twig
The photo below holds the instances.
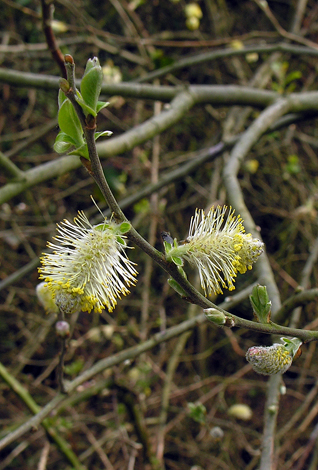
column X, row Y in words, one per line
column 24, row 395
column 103, row 364
column 304, row 282
column 285, row 34
column 60, row 366
column 238, row 154
column 10, row 170
column 47, row 17
column 154, row 207
column 179, row 107
column 301, row 298
column 14, row 277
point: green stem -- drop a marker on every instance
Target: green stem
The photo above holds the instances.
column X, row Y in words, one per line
column 267, row 328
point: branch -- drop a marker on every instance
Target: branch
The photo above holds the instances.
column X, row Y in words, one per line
column 101, row 365
column 35, row 136
column 49, row 82
column 47, row 17
column 10, row 170
column 179, row 106
column 222, row 94
column 135, row 351
column 14, row 277
column 239, row 152
column 228, row 52
column 270, row 421
column 130, row 400
column 24, row 395
column 268, row 328
column 296, row 300
column 304, row 282
column 60, row 400
column 285, row 34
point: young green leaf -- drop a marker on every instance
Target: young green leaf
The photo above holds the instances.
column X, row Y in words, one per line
column 81, row 151
column 176, row 260
column 124, row 227
column 101, row 105
column 63, row 143
column 172, row 283
column 91, row 86
column 69, row 122
column 102, row 134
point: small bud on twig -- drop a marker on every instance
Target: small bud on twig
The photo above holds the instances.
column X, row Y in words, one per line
column 62, row 329
column 69, row 59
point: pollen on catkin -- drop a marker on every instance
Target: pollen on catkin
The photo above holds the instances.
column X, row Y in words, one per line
column 219, row 248
column 89, row 269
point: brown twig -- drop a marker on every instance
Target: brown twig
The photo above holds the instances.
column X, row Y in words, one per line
column 47, row 17
column 285, row 34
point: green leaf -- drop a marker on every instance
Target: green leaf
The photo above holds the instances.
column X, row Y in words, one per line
column 197, row 412
column 178, row 261
column 182, row 271
column 101, row 105
column 69, row 122
column 292, row 167
column 63, row 143
column 61, row 136
column 142, row 206
column 102, row 227
column 91, row 86
column 124, row 227
column 102, row 134
column 61, row 98
column 293, row 76
column 292, row 345
column 167, row 246
column 81, row 151
column 86, row 109
column 121, row 241
column 74, row 367
column 62, row 147
column 174, row 284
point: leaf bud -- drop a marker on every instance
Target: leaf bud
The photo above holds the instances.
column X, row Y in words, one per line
column 261, row 304
column 64, row 85
column 216, row 433
column 215, row 316
column 62, row 329
column 69, row 59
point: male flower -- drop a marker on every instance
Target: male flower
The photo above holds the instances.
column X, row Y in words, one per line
column 89, row 269
column 219, row 247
